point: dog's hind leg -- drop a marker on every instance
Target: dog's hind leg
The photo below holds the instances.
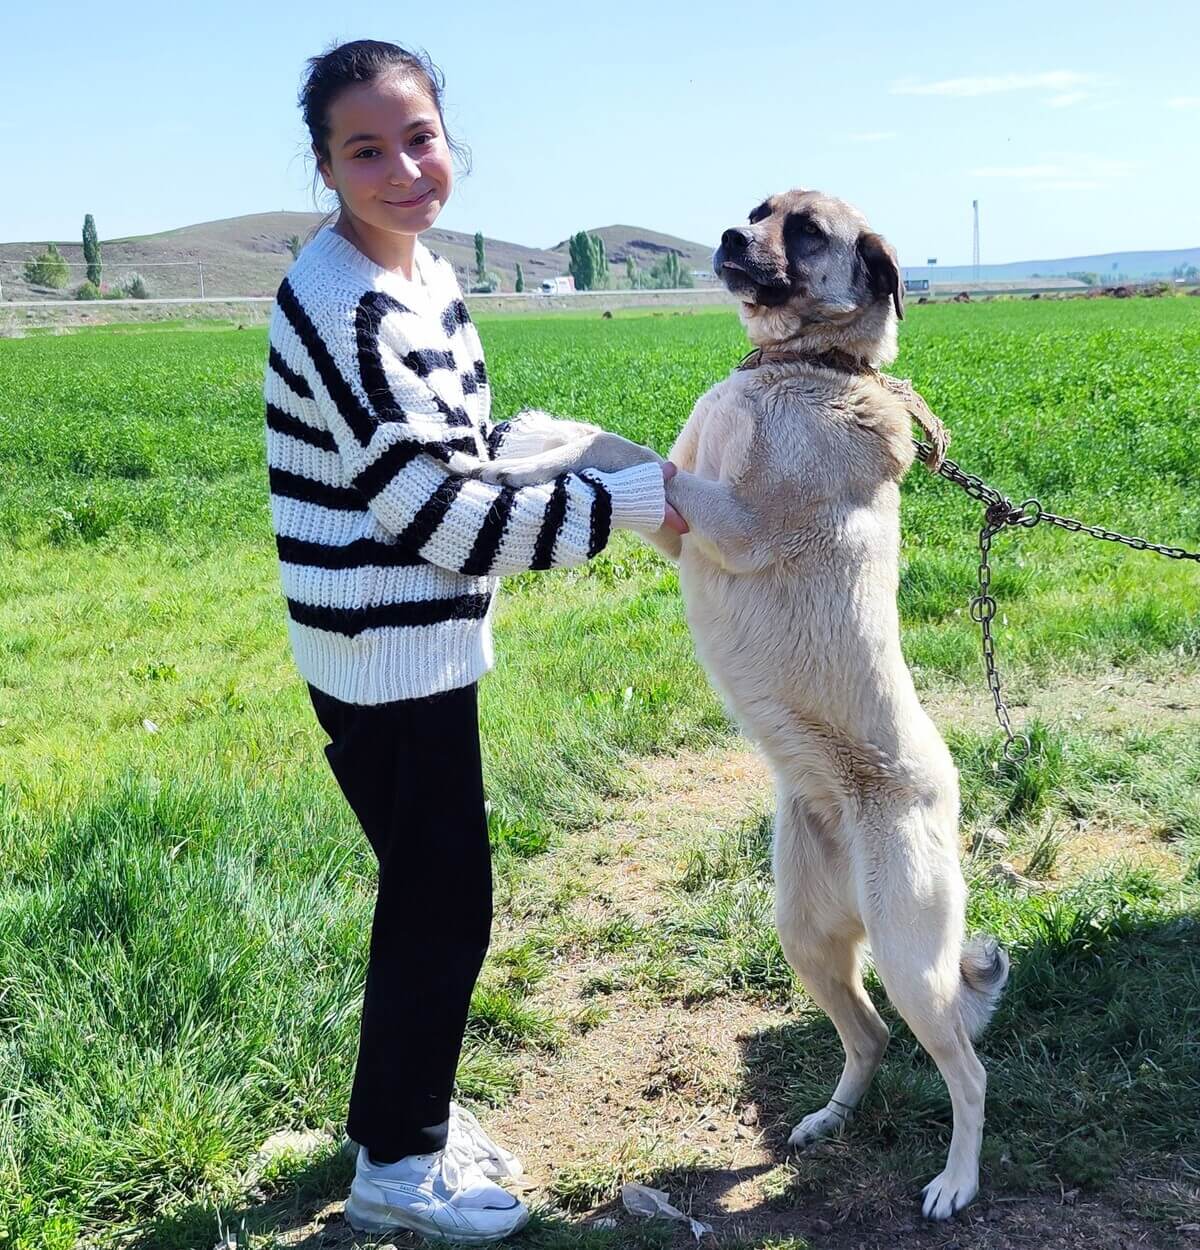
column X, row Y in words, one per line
column 917, row 944
column 822, row 940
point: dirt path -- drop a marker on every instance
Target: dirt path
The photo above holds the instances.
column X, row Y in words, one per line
column 658, row 1090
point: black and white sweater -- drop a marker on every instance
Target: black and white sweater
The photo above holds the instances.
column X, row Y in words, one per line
column 377, row 402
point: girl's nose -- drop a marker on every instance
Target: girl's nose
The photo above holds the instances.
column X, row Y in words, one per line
column 406, row 169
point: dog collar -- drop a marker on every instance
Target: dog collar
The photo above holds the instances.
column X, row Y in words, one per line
column 838, row 361
column 843, row 362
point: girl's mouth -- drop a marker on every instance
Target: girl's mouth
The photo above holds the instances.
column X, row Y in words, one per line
column 420, row 199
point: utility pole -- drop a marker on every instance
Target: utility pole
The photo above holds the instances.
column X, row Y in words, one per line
column 975, row 248
column 200, row 266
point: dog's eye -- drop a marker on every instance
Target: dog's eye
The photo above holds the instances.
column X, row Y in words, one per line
column 810, row 228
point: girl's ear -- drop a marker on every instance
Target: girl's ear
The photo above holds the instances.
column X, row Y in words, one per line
column 321, row 169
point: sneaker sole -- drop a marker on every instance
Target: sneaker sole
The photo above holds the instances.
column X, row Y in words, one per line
column 378, row 1217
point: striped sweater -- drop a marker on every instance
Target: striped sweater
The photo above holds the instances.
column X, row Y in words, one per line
column 377, row 403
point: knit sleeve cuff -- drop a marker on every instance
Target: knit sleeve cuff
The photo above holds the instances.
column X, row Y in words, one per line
column 639, row 499
column 523, row 435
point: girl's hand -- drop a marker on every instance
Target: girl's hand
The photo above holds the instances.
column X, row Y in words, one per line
column 672, row 520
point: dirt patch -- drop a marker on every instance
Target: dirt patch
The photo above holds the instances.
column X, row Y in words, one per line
column 1114, row 700
column 658, row 1091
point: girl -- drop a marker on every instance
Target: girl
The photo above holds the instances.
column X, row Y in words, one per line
column 378, row 407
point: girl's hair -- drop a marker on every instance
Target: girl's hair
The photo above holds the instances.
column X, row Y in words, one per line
column 364, row 60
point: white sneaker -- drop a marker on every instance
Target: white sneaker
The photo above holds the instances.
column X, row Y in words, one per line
column 494, row 1161
column 438, row 1195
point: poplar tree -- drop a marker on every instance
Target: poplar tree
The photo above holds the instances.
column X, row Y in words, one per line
column 599, row 263
column 91, row 249
column 520, row 284
column 669, row 273
column 583, row 264
column 480, row 263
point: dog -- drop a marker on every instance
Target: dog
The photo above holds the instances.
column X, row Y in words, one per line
column 789, row 477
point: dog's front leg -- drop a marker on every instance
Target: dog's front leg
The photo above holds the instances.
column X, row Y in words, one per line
column 667, row 541
column 719, row 520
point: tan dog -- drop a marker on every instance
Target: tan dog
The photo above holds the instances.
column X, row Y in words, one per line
column 789, row 478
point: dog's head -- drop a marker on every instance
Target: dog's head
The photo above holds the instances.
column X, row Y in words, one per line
column 807, row 265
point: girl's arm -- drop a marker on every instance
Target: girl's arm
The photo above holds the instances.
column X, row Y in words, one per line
column 532, row 432
column 412, row 468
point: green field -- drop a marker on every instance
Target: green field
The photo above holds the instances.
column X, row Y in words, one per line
column 184, row 899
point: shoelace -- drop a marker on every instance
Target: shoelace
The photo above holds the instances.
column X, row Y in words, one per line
column 456, row 1166
column 471, row 1135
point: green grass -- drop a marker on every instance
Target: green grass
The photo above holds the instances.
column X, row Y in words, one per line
column 184, row 896
column 1093, row 1054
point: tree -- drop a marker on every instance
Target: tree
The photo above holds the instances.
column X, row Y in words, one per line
column 582, row 266
column 520, row 284
column 480, row 262
column 48, row 269
column 632, row 273
column 589, row 262
column 600, row 274
column 91, row 250
column 669, row 273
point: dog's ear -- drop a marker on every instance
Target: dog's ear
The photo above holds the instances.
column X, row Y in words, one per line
column 883, row 270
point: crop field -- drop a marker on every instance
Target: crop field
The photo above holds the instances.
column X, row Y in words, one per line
column 185, row 899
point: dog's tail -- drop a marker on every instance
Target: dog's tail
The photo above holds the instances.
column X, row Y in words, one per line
column 984, row 966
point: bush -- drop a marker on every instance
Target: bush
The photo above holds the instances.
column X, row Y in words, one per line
column 48, row 269
column 487, row 284
column 135, row 287
column 87, row 290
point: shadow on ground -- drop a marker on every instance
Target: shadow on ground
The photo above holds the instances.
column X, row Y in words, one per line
column 1091, row 1138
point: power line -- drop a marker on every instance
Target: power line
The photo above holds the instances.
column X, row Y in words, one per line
column 108, row 264
column 198, row 265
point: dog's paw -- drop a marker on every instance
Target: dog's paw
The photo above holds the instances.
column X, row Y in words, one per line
column 514, row 473
column 948, row 1193
column 828, row 1122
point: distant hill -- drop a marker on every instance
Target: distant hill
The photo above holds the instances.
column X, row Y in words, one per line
column 1108, row 266
column 249, row 256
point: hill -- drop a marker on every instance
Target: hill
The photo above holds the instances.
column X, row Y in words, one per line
column 249, row 255
column 1107, row 266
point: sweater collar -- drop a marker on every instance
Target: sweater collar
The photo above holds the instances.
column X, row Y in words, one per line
column 335, row 248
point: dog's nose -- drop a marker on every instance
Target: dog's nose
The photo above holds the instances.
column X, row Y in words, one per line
column 735, row 240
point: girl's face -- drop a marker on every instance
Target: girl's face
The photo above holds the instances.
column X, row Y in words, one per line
column 388, row 157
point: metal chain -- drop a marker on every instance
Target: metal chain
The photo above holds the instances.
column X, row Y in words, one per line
column 1001, row 513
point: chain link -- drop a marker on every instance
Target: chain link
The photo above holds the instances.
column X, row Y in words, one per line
column 1000, row 513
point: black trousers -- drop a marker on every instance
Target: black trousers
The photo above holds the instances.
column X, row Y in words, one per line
column 411, row 771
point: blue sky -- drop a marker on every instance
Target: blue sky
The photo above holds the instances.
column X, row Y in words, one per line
column 1073, row 124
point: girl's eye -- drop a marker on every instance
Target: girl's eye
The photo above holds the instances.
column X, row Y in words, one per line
column 428, row 137
column 364, row 151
